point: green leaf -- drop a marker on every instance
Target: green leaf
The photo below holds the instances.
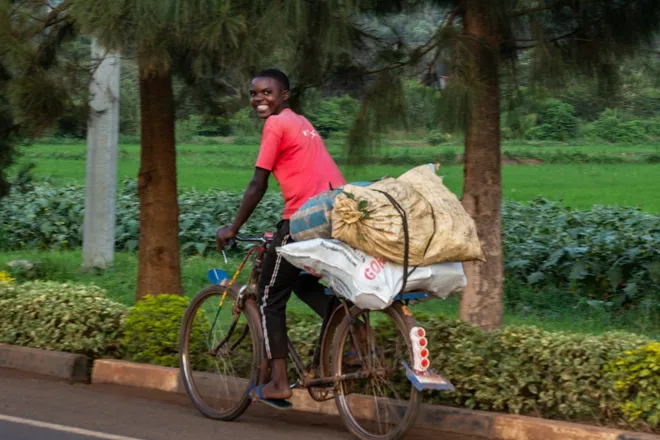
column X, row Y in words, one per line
column 615, row 276
column 578, row 271
column 553, row 258
column 535, row 277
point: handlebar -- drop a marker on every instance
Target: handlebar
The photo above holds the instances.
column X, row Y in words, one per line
column 247, row 239
column 233, row 242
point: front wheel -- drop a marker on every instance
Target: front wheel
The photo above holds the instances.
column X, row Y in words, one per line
column 376, row 401
column 220, row 353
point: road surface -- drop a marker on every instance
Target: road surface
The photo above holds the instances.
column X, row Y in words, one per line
column 38, row 408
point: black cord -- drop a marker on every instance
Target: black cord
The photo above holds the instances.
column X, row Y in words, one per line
column 406, row 238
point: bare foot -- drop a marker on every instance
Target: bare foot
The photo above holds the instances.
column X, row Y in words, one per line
column 271, row 391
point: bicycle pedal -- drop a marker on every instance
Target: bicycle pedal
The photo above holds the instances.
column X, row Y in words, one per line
column 427, row 380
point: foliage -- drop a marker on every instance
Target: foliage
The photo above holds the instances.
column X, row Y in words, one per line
column 422, row 104
column 188, row 128
column 333, row 115
column 5, row 277
column 646, row 103
column 518, row 369
column 637, row 383
column 616, row 126
column 522, row 369
column 557, row 121
column 151, row 332
column 64, row 317
column 243, row 123
column 437, row 137
column 607, row 254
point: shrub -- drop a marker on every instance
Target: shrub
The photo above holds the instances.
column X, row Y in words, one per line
column 652, row 128
column 334, row 115
column 151, row 332
column 557, row 122
column 518, row 369
column 437, row 137
column 64, row 317
column 647, row 103
column 422, row 103
column 653, row 158
column 616, row 126
column 522, row 369
column 244, row 122
column 637, row 383
column 186, row 129
column 5, row 278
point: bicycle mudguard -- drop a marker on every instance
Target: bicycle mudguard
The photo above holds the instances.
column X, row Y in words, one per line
column 427, row 380
column 217, row 276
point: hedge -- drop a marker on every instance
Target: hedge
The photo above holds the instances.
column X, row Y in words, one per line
column 607, row 378
column 65, row 317
column 525, row 370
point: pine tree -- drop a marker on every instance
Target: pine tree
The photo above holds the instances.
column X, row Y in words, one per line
column 196, row 40
column 483, row 41
column 33, row 80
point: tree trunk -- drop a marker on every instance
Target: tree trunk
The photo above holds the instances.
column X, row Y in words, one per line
column 159, row 265
column 481, row 303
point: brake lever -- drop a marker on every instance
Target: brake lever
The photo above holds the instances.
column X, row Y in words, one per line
column 231, row 243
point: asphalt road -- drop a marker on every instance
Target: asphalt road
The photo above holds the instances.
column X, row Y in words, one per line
column 38, row 408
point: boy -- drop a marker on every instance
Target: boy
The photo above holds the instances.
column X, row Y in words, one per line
column 295, row 153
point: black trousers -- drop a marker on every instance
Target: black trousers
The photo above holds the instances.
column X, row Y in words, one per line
column 278, row 279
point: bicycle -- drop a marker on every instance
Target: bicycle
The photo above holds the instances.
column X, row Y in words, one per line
column 344, row 358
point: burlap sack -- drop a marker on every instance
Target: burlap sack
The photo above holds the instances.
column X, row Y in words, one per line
column 365, row 219
column 440, row 230
column 455, row 236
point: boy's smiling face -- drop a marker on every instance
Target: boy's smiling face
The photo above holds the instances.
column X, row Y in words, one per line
column 267, row 96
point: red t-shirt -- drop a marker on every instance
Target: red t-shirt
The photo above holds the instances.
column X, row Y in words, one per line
column 296, row 154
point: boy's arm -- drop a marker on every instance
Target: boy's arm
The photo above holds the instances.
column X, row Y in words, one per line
column 268, row 156
column 253, row 194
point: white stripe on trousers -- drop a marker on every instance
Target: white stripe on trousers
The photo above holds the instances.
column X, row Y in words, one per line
column 265, row 298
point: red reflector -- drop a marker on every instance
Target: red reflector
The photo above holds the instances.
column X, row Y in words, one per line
column 424, row 353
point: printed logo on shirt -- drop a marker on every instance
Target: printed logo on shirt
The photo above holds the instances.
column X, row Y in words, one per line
column 308, row 133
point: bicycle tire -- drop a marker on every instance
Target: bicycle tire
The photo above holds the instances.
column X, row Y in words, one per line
column 404, row 323
column 251, row 314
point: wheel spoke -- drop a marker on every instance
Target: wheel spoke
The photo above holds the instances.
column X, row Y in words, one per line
column 376, row 407
column 218, row 355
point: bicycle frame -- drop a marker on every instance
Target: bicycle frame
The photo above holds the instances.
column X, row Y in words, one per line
column 428, row 380
column 251, row 291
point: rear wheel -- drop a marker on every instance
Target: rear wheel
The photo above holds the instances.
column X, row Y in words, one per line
column 384, row 404
column 220, row 353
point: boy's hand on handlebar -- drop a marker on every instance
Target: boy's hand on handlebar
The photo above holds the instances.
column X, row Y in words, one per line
column 223, row 237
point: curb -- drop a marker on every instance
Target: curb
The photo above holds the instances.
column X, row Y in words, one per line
column 478, row 424
column 72, row 367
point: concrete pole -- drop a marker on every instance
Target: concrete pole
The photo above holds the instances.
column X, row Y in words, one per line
column 101, row 177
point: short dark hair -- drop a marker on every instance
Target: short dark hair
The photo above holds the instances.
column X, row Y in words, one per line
column 277, row 75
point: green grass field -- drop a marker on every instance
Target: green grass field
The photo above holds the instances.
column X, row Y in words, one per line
column 229, row 168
